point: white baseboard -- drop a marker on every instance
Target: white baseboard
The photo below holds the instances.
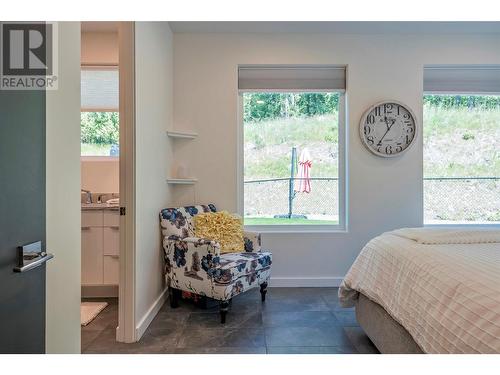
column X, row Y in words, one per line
column 150, row 315
column 294, row 282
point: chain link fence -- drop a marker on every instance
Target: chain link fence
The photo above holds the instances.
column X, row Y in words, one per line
column 271, row 197
column 462, row 199
column 446, row 199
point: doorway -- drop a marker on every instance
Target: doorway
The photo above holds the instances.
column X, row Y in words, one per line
column 103, row 167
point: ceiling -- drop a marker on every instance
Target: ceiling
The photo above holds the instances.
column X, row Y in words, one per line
column 340, row 27
column 337, row 27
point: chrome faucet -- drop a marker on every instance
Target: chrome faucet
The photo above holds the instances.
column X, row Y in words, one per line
column 89, row 195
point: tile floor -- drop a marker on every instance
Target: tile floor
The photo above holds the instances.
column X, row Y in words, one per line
column 292, row 321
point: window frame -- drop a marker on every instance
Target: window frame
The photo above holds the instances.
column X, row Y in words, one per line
column 472, row 224
column 341, row 227
column 98, row 157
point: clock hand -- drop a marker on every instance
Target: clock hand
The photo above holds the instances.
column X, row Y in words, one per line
column 393, row 121
column 386, row 123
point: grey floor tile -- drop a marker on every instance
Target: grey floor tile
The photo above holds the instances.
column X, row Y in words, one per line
column 247, row 304
column 234, row 319
column 309, row 295
column 105, row 342
column 168, row 318
column 221, row 350
column 87, row 336
column 294, row 299
column 292, row 320
column 346, row 318
column 333, row 302
column 294, row 305
column 360, row 340
column 153, row 341
column 306, row 336
column 220, row 337
column 312, row 350
column 300, row 291
column 298, row 318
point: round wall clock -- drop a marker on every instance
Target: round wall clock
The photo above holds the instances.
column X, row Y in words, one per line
column 388, row 128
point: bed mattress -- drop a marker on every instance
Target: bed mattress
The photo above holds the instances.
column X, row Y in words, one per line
column 442, row 286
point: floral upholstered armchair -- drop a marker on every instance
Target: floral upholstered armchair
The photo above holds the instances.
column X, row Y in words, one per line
column 195, row 264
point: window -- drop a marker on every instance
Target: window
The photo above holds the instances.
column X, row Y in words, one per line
column 99, row 116
column 292, row 162
column 461, row 146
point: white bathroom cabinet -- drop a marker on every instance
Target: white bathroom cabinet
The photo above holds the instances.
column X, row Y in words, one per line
column 100, row 247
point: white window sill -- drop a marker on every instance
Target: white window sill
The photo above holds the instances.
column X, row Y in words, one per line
column 296, row 229
column 99, row 158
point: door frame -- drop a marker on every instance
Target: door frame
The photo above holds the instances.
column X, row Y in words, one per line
column 126, row 331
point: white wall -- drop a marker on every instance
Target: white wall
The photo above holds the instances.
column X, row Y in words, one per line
column 153, row 92
column 100, row 48
column 100, row 176
column 383, row 193
column 63, row 197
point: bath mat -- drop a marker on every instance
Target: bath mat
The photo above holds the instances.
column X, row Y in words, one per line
column 89, row 311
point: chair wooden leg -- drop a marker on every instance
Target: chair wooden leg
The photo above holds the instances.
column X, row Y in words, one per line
column 223, row 307
column 263, row 291
column 174, row 295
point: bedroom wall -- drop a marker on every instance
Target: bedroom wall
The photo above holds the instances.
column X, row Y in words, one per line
column 383, row 194
column 154, row 101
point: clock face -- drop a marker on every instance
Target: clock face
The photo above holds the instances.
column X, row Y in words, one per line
column 388, row 129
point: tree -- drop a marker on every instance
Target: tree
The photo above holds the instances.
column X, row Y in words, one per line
column 99, row 127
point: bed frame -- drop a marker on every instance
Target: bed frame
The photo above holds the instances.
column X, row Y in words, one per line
column 388, row 335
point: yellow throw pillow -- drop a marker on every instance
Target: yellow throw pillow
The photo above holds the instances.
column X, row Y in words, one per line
column 223, row 227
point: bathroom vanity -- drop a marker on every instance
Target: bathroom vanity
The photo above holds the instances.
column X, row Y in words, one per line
column 100, row 250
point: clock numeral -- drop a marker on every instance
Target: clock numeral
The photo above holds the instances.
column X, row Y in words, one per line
column 370, row 119
column 399, row 148
column 408, row 139
column 388, row 149
column 367, row 130
column 399, row 108
column 378, row 111
column 406, row 116
column 387, row 108
column 369, row 139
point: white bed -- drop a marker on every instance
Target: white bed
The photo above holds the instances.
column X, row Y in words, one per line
column 441, row 285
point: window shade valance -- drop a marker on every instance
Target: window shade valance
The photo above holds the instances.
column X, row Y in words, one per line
column 99, row 89
column 474, row 79
column 286, row 77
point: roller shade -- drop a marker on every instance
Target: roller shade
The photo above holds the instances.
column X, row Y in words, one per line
column 286, row 78
column 462, row 79
column 99, row 89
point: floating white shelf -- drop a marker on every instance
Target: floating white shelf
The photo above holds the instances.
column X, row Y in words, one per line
column 181, row 181
column 184, row 135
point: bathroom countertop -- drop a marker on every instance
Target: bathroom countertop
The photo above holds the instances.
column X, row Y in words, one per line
column 99, row 206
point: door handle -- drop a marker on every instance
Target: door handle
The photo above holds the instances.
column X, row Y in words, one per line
column 31, row 256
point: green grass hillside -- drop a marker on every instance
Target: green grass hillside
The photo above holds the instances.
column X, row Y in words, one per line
column 458, row 142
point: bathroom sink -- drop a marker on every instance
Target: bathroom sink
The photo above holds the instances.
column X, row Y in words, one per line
column 98, row 206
